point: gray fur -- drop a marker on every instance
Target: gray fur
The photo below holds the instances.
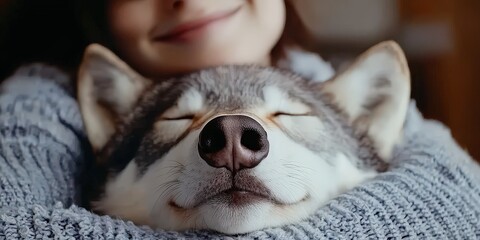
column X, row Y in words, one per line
column 228, row 89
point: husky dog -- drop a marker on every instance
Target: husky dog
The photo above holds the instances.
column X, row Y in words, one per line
column 237, row 148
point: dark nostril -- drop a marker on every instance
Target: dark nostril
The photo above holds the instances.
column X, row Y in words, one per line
column 212, row 140
column 252, row 140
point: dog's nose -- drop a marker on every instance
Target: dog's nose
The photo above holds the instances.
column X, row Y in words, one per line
column 234, row 142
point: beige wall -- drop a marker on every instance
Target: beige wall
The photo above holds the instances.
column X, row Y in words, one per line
column 349, row 21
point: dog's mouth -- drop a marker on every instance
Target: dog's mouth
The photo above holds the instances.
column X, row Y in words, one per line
column 233, row 197
column 244, row 192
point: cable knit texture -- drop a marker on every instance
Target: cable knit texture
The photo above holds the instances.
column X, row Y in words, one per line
column 431, row 191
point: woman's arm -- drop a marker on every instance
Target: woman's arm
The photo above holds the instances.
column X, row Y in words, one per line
column 432, row 190
column 41, row 138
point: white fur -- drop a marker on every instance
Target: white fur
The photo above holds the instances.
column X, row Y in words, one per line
column 299, row 179
column 125, row 197
column 303, row 126
column 126, row 87
column 353, row 88
column 295, row 175
column 277, row 100
column 190, row 103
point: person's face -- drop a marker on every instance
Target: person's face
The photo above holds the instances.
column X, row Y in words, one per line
column 164, row 37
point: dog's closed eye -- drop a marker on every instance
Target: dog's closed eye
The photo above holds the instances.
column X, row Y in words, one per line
column 178, row 118
column 291, row 114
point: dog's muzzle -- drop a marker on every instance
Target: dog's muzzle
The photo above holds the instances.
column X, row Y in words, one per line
column 234, row 142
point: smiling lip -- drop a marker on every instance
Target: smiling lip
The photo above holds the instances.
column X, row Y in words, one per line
column 235, row 197
column 179, row 32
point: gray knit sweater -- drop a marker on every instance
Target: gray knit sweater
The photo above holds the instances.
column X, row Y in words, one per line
column 431, row 191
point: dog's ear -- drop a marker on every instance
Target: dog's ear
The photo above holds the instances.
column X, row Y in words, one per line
column 108, row 90
column 374, row 93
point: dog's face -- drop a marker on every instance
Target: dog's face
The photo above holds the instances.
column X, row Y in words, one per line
column 237, row 148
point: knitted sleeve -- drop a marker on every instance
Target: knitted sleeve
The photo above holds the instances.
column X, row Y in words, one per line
column 40, row 138
column 432, row 190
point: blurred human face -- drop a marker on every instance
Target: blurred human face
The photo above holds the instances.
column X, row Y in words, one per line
column 165, row 37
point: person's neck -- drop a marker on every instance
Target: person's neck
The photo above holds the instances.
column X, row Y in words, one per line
column 266, row 61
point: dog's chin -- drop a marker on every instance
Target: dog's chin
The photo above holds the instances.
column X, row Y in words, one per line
column 237, row 212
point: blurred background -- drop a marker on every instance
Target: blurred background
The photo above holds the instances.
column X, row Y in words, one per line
column 440, row 37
